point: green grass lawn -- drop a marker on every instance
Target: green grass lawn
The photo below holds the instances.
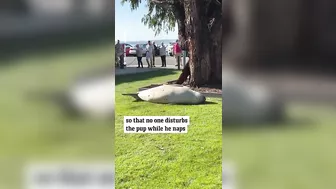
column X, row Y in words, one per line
column 36, row 130
column 191, row 160
column 300, row 154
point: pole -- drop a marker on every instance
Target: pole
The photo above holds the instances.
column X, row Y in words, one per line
column 125, row 39
column 122, row 58
column 178, row 61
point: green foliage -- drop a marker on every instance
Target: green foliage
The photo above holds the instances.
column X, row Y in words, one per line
column 160, row 16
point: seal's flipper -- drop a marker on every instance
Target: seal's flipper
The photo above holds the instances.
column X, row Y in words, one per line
column 134, row 95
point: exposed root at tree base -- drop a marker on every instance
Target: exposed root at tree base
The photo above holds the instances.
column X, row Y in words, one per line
column 208, row 88
column 184, row 75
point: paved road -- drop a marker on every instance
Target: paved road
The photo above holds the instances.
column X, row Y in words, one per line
column 132, row 63
column 171, row 61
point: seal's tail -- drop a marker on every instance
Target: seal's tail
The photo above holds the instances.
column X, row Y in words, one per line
column 134, row 95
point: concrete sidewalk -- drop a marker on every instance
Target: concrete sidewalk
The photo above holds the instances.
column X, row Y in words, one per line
column 134, row 70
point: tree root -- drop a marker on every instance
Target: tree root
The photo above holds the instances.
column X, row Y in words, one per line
column 184, row 75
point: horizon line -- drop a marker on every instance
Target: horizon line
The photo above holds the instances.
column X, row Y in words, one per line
column 147, row 40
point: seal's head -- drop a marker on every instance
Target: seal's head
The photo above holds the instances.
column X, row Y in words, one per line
column 203, row 100
column 199, row 98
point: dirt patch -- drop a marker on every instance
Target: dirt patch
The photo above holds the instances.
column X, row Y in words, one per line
column 207, row 90
column 216, row 89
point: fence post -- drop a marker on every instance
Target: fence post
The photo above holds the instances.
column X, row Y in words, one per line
column 124, row 62
column 178, row 62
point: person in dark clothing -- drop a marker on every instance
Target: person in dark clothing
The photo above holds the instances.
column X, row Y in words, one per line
column 154, row 53
column 163, row 55
column 119, row 50
column 139, row 56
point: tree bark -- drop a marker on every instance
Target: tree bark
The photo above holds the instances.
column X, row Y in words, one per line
column 216, row 41
column 203, row 35
column 180, row 18
column 184, row 75
column 200, row 33
column 198, row 51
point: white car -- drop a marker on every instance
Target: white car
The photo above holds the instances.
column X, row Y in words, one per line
column 132, row 51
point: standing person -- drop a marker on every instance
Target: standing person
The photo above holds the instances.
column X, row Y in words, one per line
column 154, row 53
column 163, row 55
column 120, row 53
column 177, row 52
column 149, row 54
column 139, row 56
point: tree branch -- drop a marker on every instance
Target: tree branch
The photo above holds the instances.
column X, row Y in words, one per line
column 161, row 2
column 218, row 2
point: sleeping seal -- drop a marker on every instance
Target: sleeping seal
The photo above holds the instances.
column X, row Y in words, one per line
column 247, row 102
column 94, row 98
column 170, row 94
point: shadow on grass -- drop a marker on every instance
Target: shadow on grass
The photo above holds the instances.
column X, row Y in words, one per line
column 120, row 79
column 207, row 102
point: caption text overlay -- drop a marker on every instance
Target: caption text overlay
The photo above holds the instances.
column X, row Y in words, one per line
column 95, row 175
column 156, row 124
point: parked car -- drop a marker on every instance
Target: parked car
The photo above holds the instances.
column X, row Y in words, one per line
column 169, row 50
column 143, row 47
column 128, row 47
column 132, row 51
column 157, row 49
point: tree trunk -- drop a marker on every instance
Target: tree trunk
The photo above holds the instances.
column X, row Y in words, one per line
column 198, row 43
column 180, row 18
column 202, row 35
column 216, row 42
column 200, row 32
column 184, row 75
